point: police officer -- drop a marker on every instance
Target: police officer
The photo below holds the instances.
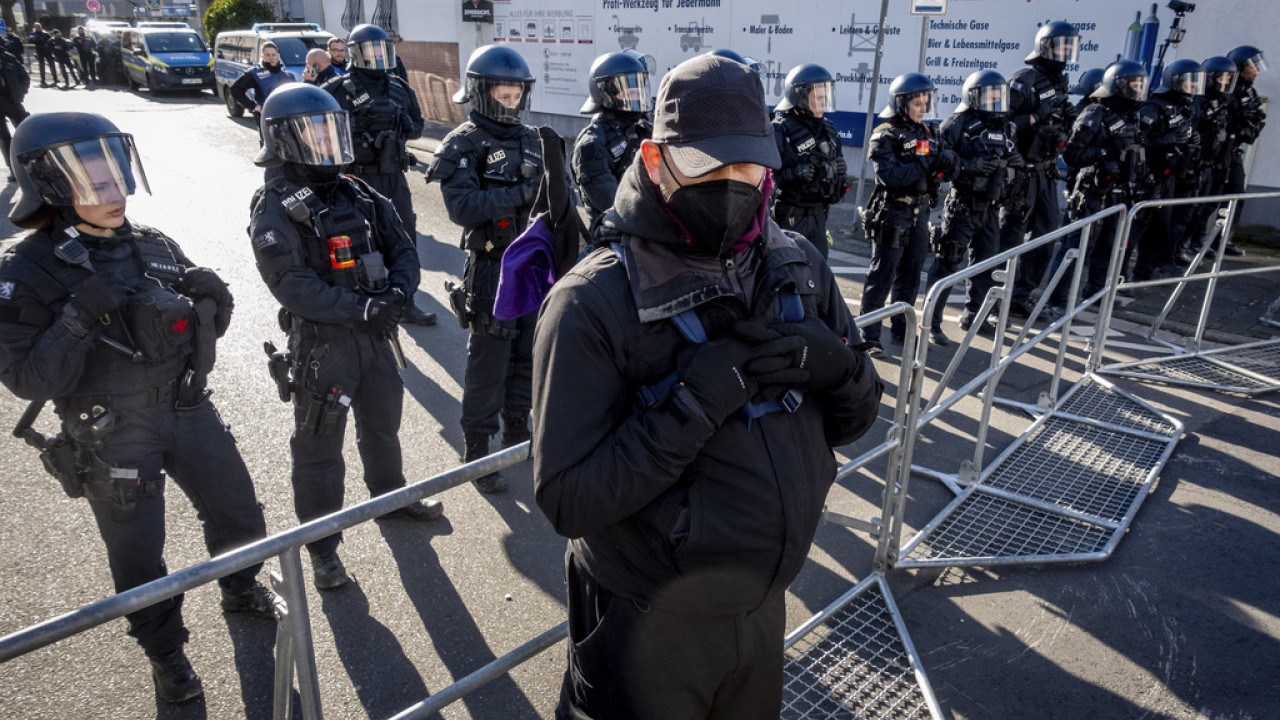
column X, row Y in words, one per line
column 262, row 80
column 1043, row 114
column 86, row 46
column 1106, row 145
column 619, row 95
column 1247, row 121
column 114, row 323
column 909, row 162
column 982, row 137
column 39, row 39
column 61, row 49
column 1216, row 151
column 384, row 114
column 11, row 107
column 335, row 256
column 813, row 175
column 489, row 168
column 1171, row 119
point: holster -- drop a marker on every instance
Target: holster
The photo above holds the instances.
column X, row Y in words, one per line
column 458, row 303
column 322, row 412
column 59, row 460
column 390, row 156
column 278, row 366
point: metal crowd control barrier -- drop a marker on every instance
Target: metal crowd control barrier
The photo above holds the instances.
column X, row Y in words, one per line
column 855, row 658
column 1247, row 369
column 1065, row 489
column 294, row 651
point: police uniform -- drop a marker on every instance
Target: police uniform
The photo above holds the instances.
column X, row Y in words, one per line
column 903, row 154
column 804, row 199
column 1173, row 154
column 1043, row 115
column 970, row 214
column 488, row 173
column 1216, row 155
column 127, row 423
column 384, row 114
column 602, row 153
column 1106, row 145
column 319, row 249
column 262, row 81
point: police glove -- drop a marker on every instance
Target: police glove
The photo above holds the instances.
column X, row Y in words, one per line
column 380, row 314
column 945, row 164
column 1111, row 169
column 98, row 295
column 841, row 167
column 201, row 282
column 725, row 374
column 979, row 165
column 805, row 172
column 828, row 358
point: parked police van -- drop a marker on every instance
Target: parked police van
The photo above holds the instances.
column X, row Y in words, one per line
column 235, row 52
column 166, row 59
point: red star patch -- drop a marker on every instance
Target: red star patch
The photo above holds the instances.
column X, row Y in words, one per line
column 180, row 326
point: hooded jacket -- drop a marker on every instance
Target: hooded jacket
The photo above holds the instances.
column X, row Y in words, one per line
column 660, row 506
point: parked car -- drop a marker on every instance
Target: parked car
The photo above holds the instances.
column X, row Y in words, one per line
column 166, row 59
column 237, row 51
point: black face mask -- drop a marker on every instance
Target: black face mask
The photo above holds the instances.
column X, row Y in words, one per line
column 717, row 213
column 315, row 176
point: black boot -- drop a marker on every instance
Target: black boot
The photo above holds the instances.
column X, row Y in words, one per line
column 176, row 681
column 477, row 446
column 515, row 428
column 413, row 315
column 328, row 570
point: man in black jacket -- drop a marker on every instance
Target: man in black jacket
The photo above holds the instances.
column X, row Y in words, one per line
column 39, row 39
column 694, row 376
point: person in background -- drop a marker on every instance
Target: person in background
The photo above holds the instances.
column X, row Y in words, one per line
column 619, row 95
column 319, row 67
column 86, row 46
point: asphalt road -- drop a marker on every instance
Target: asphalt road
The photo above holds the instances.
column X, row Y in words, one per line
column 1182, row 622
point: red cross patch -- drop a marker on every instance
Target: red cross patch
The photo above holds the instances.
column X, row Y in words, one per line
column 503, row 223
column 180, row 326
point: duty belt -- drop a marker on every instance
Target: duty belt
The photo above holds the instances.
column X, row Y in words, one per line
column 321, row 331
column 357, row 169
column 163, row 395
column 910, row 200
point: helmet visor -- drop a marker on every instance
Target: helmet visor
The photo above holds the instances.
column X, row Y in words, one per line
column 318, row 139
column 501, row 100
column 1257, row 62
column 820, row 97
column 1132, row 87
column 916, row 101
column 1064, row 49
column 991, row 98
column 1189, row 83
column 627, row 92
column 373, row 54
column 97, row 171
column 1224, row 81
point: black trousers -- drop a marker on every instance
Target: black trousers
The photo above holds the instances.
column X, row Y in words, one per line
column 896, row 270
column 809, row 222
column 198, row 452
column 88, row 63
column 364, row 368
column 1042, row 218
column 14, row 113
column 630, row 661
column 68, row 69
column 499, row 379
column 979, row 230
column 43, row 58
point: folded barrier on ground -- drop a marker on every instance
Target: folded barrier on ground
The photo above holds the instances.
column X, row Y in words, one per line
column 1245, row 369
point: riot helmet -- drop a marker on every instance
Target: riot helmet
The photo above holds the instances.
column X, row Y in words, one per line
column 619, row 81
column 498, row 84
column 1087, row 82
column 736, row 57
column 904, row 89
column 1124, row 79
column 305, row 125
column 810, row 88
column 1220, row 75
column 1057, row 42
column 1185, row 77
column 986, row 92
column 63, row 159
column 371, row 48
column 1248, row 58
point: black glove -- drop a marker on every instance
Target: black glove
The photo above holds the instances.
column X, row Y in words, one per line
column 201, row 282
column 827, row 357
column 718, row 376
column 841, row 167
column 380, row 314
column 979, row 165
column 804, row 173
column 944, row 164
column 98, row 295
column 1111, row 169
